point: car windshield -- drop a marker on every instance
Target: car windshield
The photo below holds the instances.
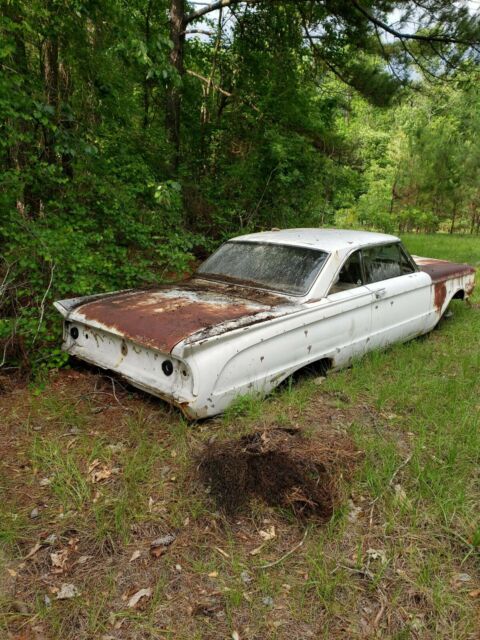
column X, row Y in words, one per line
column 284, row 268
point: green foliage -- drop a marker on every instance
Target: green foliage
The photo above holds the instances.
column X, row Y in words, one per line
column 420, row 160
column 281, row 117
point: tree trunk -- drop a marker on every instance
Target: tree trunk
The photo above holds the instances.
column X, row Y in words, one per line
column 50, row 77
column 146, row 81
column 454, row 215
column 177, row 36
column 66, row 119
column 16, row 151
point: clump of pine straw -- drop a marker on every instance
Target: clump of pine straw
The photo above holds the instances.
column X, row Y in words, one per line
column 283, row 468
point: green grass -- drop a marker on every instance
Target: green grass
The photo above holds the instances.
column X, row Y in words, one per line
column 389, row 573
column 457, row 248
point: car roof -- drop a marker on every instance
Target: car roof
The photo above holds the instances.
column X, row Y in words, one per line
column 325, row 239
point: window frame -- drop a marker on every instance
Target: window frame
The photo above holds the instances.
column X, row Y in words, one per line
column 361, row 250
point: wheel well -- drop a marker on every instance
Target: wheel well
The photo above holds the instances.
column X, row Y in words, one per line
column 319, row 367
column 459, row 295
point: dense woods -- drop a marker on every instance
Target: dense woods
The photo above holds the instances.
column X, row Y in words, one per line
column 136, row 136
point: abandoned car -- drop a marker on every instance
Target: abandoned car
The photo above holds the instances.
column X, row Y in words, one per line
column 261, row 307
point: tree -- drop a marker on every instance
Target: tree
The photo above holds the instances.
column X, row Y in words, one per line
column 446, row 32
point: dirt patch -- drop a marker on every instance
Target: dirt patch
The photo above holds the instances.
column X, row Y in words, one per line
column 281, row 467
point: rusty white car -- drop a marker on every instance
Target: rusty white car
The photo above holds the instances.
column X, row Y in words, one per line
column 261, row 307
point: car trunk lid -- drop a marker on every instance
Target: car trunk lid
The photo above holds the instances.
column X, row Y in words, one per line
column 161, row 318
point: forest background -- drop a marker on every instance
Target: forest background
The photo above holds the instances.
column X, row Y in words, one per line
column 137, row 136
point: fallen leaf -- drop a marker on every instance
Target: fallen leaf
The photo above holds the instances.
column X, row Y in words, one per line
column 135, row 555
column 235, row 635
column 59, row 560
column 354, row 512
column 157, row 552
column 33, row 550
column 213, row 574
column 73, row 543
column 222, row 552
column 101, row 474
column 256, row 551
column 269, row 534
column 135, row 599
column 462, row 577
column 67, row 591
column 246, row 577
column 400, row 495
column 117, row 447
column 83, row 559
column 93, row 465
column 377, row 554
column 474, row 594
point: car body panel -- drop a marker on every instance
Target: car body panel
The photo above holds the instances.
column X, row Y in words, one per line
column 228, row 339
column 400, row 309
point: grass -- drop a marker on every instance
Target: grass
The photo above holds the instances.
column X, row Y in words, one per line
column 399, row 560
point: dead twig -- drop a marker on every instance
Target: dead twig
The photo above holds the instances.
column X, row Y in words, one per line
column 399, row 468
column 394, row 475
column 209, row 83
column 42, row 304
column 115, row 395
column 389, row 484
column 378, row 617
column 284, row 557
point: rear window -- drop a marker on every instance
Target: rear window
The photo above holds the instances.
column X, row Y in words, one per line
column 284, row 268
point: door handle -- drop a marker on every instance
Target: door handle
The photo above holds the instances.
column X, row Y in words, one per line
column 380, row 293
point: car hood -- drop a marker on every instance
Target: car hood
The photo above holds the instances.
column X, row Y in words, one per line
column 162, row 317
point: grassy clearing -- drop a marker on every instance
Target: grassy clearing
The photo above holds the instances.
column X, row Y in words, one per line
column 398, row 560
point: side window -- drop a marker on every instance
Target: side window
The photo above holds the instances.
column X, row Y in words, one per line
column 350, row 275
column 385, row 262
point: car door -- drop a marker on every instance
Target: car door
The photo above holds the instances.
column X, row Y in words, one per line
column 401, row 294
column 347, row 323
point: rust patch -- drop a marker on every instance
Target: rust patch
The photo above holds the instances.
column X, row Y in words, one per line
column 440, row 293
column 469, row 289
column 441, row 270
column 159, row 320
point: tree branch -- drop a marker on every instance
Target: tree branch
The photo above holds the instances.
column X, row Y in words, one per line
column 408, row 36
column 207, row 81
column 316, row 53
column 203, row 32
column 214, row 6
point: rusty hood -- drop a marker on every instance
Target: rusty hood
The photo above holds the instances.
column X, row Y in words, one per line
column 162, row 317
